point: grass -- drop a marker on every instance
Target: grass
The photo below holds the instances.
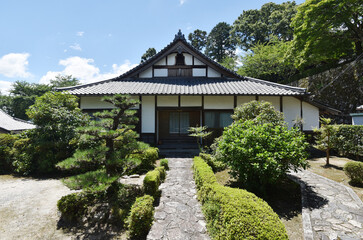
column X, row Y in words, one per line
column 334, row 171
column 285, row 200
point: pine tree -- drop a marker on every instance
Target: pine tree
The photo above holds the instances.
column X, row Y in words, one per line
column 324, row 137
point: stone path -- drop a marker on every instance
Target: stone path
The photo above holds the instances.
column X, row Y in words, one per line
column 330, row 209
column 179, row 214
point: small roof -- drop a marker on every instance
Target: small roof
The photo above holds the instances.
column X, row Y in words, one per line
column 360, row 108
column 10, row 123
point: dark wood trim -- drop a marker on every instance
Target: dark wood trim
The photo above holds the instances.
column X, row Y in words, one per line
column 281, row 105
column 256, row 97
column 156, row 118
column 178, row 108
column 140, row 115
column 153, row 71
column 179, row 101
column 301, row 113
column 166, row 60
column 235, row 101
column 192, row 60
column 202, row 101
column 206, row 71
column 178, row 66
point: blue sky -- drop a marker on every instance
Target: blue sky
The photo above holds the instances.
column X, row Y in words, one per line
column 94, row 40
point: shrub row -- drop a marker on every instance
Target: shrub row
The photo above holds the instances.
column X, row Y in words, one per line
column 234, row 213
column 164, row 163
column 6, row 145
column 354, row 171
column 348, row 140
column 216, row 165
column 141, row 216
column 153, row 180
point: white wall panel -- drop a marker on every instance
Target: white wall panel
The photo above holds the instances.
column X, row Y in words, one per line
column 160, row 72
column 148, row 114
column 199, row 72
column 198, row 62
column 148, row 73
column 190, row 101
column 213, row 73
column 162, row 62
column 167, row 101
column 218, row 102
column 94, row 102
column 310, row 116
column 275, row 100
column 171, row 59
column 188, row 59
column 291, row 109
column 244, row 99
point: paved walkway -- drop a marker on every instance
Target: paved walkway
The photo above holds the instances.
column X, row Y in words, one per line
column 330, row 209
column 179, row 214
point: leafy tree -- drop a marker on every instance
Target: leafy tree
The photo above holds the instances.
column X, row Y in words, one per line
column 327, row 30
column 148, row 54
column 64, row 81
column 268, row 61
column 5, row 103
column 199, row 133
column 219, row 43
column 100, row 138
column 258, row 26
column 198, row 39
column 324, row 137
column 57, row 116
column 229, row 62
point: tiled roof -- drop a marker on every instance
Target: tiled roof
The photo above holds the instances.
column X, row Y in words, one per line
column 187, row 86
column 9, row 123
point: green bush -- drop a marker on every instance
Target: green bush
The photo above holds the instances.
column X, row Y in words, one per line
column 6, row 144
column 164, row 163
column 234, row 213
column 215, row 164
column 141, row 217
column 147, row 157
column 162, row 173
column 152, row 182
column 348, row 140
column 261, row 154
column 354, row 171
column 74, row 205
column 23, row 155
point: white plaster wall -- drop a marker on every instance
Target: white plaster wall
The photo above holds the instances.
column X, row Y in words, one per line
column 213, row 73
column 198, row 62
column 275, row 100
column 148, row 73
column 244, row 99
column 218, row 102
column 357, row 119
column 160, row 72
column 171, row 59
column 310, row 116
column 148, row 114
column 162, row 62
column 190, row 101
column 291, row 109
column 167, row 101
column 199, row 72
column 188, row 59
column 94, row 102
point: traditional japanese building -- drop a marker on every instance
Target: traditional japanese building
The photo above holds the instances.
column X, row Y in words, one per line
column 181, row 87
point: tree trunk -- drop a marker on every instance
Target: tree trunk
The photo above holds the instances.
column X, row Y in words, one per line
column 327, row 156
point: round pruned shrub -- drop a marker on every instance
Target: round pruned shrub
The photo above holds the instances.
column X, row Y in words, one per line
column 152, row 182
column 233, row 213
column 354, row 170
column 162, row 173
column 164, row 163
column 141, row 217
column 74, row 205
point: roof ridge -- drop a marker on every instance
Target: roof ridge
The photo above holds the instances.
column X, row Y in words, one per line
column 275, row 84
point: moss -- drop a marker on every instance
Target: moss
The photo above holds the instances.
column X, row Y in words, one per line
column 234, row 213
column 141, row 217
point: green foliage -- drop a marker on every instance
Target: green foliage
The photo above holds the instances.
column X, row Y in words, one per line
column 152, row 182
column 348, row 140
column 6, row 144
column 141, row 217
column 317, row 22
column 268, row 61
column 162, row 173
column 164, row 163
column 64, row 81
column 259, row 26
column 354, row 170
column 324, row 137
column 74, row 205
column 148, row 54
column 215, row 164
column 229, row 62
column 198, row 39
column 261, row 154
column 199, row 133
column 219, row 43
column 23, row 155
column 259, row 112
column 234, row 213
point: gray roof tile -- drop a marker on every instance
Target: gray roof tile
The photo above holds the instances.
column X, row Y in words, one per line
column 9, row 123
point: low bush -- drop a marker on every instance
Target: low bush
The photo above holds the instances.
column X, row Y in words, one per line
column 354, row 170
column 216, row 165
column 234, row 213
column 164, row 163
column 74, row 205
column 147, row 158
column 6, row 144
column 152, row 182
column 348, row 140
column 162, row 173
column 141, row 217
column 23, row 155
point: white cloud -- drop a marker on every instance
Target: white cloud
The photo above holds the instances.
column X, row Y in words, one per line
column 85, row 70
column 80, row 34
column 5, row 87
column 76, row 47
column 15, row 65
column 181, row 2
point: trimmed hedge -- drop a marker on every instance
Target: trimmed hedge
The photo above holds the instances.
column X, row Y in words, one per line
column 162, row 173
column 141, row 216
column 164, row 163
column 6, row 144
column 151, row 183
column 74, row 205
column 354, row 170
column 233, row 213
column 348, row 140
column 216, row 165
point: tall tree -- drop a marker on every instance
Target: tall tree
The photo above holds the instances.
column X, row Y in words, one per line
column 257, row 26
column 64, row 81
column 198, row 39
column 219, row 42
column 148, row 54
column 327, row 30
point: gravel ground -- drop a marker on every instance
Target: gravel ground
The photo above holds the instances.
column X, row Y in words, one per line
column 28, row 208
